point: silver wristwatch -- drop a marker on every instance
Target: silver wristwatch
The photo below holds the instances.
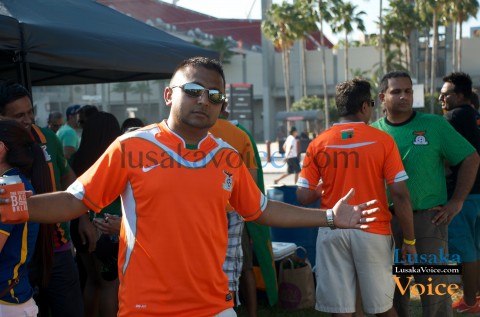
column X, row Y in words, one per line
column 330, row 219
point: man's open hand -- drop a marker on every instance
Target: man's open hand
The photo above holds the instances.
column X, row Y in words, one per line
column 353, row 217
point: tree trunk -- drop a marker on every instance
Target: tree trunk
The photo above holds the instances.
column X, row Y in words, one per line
column 324, row 77
column 304, row 67
column 427, row 59
column 380, row 41
column 454, row 46
column 410, row 54
column 286, row 79
column 345, row 55
column 459, row 46
column 434, row 62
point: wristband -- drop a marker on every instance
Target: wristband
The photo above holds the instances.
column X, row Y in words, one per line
column 330, row 219
column 409, row 242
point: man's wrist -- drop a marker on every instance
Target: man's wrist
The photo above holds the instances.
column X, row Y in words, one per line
column 409, row 242
column 330, row 216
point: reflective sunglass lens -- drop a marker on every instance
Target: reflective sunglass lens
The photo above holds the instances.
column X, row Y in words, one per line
column 215, row 96
column 196, row 90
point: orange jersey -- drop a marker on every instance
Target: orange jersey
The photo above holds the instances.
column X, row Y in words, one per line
column 239, row 140
column 174, row 230
column 354, row 155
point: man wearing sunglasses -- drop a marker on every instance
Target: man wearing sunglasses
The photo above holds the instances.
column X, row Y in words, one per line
column 175, row 180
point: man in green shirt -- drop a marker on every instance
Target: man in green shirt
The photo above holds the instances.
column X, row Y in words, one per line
column 67, row 133
column 426, row 142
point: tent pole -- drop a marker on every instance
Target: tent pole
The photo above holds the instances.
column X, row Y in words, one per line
column 23, row 73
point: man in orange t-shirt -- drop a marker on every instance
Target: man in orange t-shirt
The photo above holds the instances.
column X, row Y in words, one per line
column 239, row 260
column 175, row 180
column 353, row 154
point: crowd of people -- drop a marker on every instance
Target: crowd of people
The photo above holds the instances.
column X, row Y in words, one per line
column 158, row 220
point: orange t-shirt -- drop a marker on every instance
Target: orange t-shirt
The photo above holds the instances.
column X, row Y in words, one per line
column 354, row 155
column 239, row 140
column 174, row 230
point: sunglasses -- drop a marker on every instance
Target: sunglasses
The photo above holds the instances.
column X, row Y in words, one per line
column 196, row 90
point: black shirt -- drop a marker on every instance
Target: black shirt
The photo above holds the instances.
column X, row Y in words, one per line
column 464, row 120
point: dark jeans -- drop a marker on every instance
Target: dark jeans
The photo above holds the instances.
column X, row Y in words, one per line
column 63, row 296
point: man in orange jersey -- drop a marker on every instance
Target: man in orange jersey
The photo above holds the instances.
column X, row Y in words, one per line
column 353, row 154
column 175, row 180
column 239, row 260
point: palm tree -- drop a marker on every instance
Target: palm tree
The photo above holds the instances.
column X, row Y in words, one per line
column 344, row 16
column 223, row 47
column 461, row 11
column 393, row 38
column 123, row 88
column 325, row 15
column 142, row 89
column 425, row 21
column 307, row 23
column 282, row 28
column 435, row 8
column 220, row 45
column 402, row 20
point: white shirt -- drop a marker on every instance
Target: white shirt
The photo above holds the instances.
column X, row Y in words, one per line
column 291, row 149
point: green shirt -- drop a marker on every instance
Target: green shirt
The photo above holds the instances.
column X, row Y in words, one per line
column 53, row 150
column 68, row 136
column 425, row 142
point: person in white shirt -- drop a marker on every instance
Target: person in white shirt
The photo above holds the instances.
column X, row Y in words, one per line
column 291, row 156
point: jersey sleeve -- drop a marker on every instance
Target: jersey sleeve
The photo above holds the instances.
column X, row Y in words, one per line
column 246, row 198
column 104, row 181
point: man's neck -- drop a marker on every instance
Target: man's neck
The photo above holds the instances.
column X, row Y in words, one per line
column 352, row 118
column 190, row 136
column 398, row 118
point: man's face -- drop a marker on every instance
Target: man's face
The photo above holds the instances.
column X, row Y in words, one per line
column 72, row 121
column 20, row 110
column 369, row 109
column 55, row 124
column 194, row 112
column 448, row 97
column 398, row 98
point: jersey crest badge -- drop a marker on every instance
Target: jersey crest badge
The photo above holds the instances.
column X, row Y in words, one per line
column 347, row 134
column 228, row 185
column 48, row 158
column 420, row 138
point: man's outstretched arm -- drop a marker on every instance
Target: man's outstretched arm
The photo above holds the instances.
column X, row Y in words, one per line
column 278, row 214
column 66, row 207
